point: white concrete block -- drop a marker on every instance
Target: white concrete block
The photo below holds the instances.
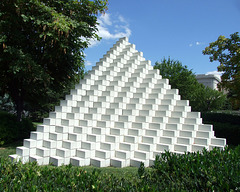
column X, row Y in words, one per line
column 29, row 143
column 36, row 135
column 123, row 154
column 117, row 162
column 181, row 148
column 218, row 141
column 38, row 159
column 22, row 151
column 77, row 161
column 205, row 127
column 56, row 160
column 42, row 152
column 202, row 141
column 196, row 148
column 88, row 145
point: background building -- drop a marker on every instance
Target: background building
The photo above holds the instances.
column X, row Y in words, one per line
column 210, row 80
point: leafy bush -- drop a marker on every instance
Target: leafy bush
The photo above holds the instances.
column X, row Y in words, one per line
column 225, row 126
column 217, row 170
column 221, row 117
column 206, row 171
column 11, row 130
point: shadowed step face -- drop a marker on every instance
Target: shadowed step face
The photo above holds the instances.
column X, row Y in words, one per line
column 123, row 113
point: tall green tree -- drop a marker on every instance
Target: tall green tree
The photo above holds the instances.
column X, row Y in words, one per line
column 183, row 79
column 227, row 52
column 41, row 47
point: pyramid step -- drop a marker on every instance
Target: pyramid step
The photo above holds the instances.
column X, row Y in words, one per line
column 42, row 152
column 152, row 132
column 133, row 112
column 51, row 144
column 218, row 141
column 17, row 158
column 181, row 148
column 36, row 135
column 117, row 162
column 175, row 120
column 84, row 153
column 131, row 139
column 161, row 147
column 88, row 145
column 63, row 152
column 67, row 144
column 204, row 134
column 184, row 140
column 77, row 137
column 135, row 132
column 196, row 147
column 127, row 146
column 43, row 128
column 98, row 162
column 112, row 139
column 188, row 127
column 201, row 141
column 194, row 115
column 169, row 133
column 78, row 161
column 166, row 140
column 155, row 96
column 108, row 146
column 22, row 151
column 124, row 154
column 173, row 126
column 149, row 139
column 193, row 121
column 157, row 126
column 94, row 138
column 58, row 161
column 187, row 133
column 30, row 143
column 146, row 147
column 40, row 160
column 104, row 154
column 205, row 128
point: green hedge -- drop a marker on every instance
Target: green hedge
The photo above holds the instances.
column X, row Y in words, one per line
column 216, row 170
column 225, row 126
column 11, row 130
column 221, row 117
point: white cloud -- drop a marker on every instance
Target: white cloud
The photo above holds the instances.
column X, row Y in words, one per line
column 88, row 63
column 197, row 43
column 104, row 19
column 111, row 27
column 214, row 73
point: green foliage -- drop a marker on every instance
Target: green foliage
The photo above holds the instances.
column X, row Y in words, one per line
column 12, row 130
column 227, row 52
column 225, row 126
column 42, row 45
column 217, row 170
column 180, row 77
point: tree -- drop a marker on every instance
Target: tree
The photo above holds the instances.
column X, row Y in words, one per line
column 183, row 79
column 227, row 52
column 42, row 45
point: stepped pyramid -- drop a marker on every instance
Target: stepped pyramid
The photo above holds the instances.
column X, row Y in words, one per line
column 121, row 114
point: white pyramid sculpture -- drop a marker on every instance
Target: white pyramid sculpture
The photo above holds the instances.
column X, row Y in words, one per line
column 122, row 113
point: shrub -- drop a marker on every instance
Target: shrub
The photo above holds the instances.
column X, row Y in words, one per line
column 225, row 126
column 216, row 170
column 11, row 130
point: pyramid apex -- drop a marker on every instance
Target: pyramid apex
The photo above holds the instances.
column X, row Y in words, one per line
column 123, row 39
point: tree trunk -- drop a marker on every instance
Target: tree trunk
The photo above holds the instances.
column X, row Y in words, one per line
column 19, row 108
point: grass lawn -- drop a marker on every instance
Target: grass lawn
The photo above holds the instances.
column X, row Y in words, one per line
column 127, row 172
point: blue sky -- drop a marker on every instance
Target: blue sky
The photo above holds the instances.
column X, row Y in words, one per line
column 179, row 29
